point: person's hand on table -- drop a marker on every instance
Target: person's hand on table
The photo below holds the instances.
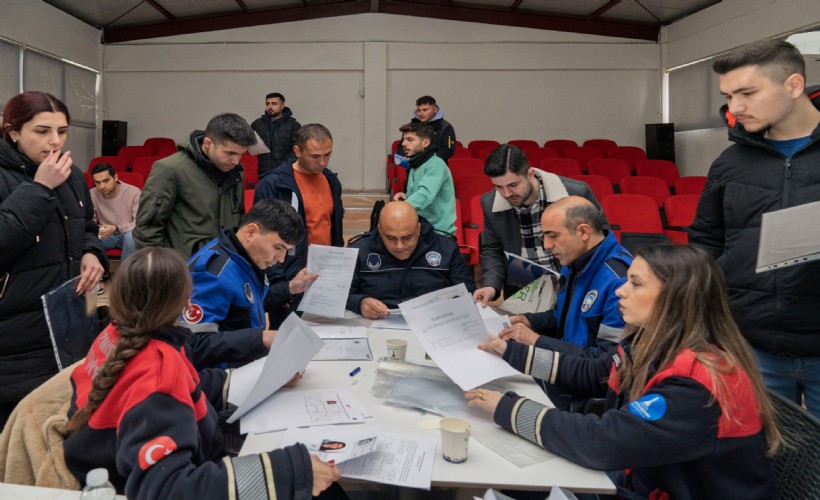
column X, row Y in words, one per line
column 484, row 295
column 495, row 345
column 324, row 474
column 373, row 308
column 299, row 282
column 90, row 273
column 519, row 333
column 484, row 398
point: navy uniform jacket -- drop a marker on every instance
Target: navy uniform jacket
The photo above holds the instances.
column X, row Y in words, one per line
column 158, row 435
column 672, row 442
column 435, row 264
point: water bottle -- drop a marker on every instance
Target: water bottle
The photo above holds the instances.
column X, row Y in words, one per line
column 97, row 486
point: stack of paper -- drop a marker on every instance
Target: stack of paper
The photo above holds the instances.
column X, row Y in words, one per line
column 343, row 342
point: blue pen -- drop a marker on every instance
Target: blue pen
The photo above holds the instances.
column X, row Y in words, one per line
column 355, row 371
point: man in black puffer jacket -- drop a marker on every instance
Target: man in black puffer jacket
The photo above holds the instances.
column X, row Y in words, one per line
column 774, row 164
column 277, row 129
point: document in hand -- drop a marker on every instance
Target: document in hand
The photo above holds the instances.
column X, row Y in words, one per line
column 521, row 271
column 327, row 295
column 293, row 348
column 787, row 239
column 72, row 322
column 450, row 330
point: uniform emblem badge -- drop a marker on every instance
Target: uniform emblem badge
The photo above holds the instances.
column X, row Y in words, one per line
column 589, row 300
column 374, row 261
column 649, row 407
column 155, row 450
column 193, row 314
column 433, row 259
column 248, row 293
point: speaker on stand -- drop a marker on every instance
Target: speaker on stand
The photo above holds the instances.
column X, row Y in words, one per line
column 660, row 141
column 114, row 136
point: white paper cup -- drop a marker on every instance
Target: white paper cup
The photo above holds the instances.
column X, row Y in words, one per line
column 455, row 434
column 396, row 349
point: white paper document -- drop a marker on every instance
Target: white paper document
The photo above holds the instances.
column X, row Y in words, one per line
column 393, row 321
column 303, row 409
column 339, row 349
column 399, row 460
column 787, row 237
column 335, row 442
column 450, row 330
column 451, row 292
column 340, row 331
column 292, row 349
column 327, row 295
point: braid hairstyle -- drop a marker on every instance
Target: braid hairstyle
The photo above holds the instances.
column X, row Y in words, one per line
column 692, row 312
column 148, row 294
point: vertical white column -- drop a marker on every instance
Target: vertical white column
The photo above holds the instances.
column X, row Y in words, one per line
column 375, row 116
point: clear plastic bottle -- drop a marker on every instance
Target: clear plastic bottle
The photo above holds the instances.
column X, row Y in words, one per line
column 97, row 486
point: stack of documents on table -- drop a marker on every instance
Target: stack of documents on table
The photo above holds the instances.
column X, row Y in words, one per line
column 393, row 321
column 327, row 294
column 449, row 326
column 369, row 454
column 253, row 386
column 343, row 342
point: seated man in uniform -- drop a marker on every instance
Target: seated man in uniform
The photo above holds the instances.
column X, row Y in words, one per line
column 229, row 283
column 401, row 259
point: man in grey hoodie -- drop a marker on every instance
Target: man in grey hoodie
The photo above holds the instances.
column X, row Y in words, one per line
column 444, row 140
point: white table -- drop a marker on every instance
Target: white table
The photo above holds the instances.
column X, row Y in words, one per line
column 16, row 492
column 483, row 468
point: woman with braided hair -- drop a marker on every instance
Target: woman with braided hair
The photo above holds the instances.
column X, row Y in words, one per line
column 138, row 401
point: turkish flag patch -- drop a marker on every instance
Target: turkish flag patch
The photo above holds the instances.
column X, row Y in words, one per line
column 155, row 450
column 193, row 314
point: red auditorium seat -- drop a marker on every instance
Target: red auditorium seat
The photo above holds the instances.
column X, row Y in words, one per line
column 560, row 145
column 477, row 146
column 250, row 163
column 535, row 155
column 155, row 143
column 600, row 185
column 662, row 169
column 632, row 213
column 692, row 184
column 144, row 164
column 613, row 169
column 630, row 154
column 680, row 212
column 583, row 155
column 523, row 143
column 248, row 201
column 561, row 166
column 119, row 163
column 603, row 145
column 132, row 178
column 164, row 151
column 467, row 187
column 653, row 187
column 459, row 167
column 470, row 253
column 132, row 152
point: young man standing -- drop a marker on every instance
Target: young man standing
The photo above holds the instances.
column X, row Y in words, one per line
column 277, row 129
column 443, row 141
column 774, row 121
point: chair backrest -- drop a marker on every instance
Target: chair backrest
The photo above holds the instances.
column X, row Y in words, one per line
column 630, row 154
column 561, row 166
column 692, row 184
column 250, row 164
column 600, row 185
column 158, row 142
column 484, row 153
column 650, row 186
column 663, row 169
column 144, row 164
column 613, row 169
column 632, row 213
column 131, row 152
column 635, row 242
column 462, row 152
column 133, row 178
column 119, row 163
column 535, row 155
column 164, row 151
column 560, row 145
column 523, row 143
column 467, row 187
column 680, row 209
column 395, row 146
column 796, row 466
column 603, row 145
column 477, row 146
column 477, row 213
column 583, row 155
column 459, row 167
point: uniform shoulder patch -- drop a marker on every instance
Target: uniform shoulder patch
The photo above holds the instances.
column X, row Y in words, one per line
column 649, row 407
column 374, row 261
column 193, row 313
column 155, row 450
column 589, row 300
column 249, row 292
column 433, row 258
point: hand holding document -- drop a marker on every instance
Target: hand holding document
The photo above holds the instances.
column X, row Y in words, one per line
column 450, row 330
column 293, row 348
column 399, row 460
column 394, row 321
column 327, row 295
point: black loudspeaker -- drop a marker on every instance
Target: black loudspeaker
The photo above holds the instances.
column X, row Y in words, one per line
column 114, row 136
column 660, row 141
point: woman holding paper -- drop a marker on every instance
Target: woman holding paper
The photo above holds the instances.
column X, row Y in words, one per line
column 47, row 236
column 141, row 411
column 686, row 415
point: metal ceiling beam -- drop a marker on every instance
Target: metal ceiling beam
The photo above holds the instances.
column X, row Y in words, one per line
column 609, row 5
column 229, row 20
column 480, row 14
column 161, row 9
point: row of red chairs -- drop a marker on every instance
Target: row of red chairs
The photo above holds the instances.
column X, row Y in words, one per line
column 637, row 213
column 561, row 147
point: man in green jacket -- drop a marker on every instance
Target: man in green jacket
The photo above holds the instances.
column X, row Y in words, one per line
column 429, row 183
column 195, row 194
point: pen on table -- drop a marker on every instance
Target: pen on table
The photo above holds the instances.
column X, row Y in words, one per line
column 355, row 371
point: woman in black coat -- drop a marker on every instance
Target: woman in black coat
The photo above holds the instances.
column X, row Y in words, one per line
column 47, row 236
